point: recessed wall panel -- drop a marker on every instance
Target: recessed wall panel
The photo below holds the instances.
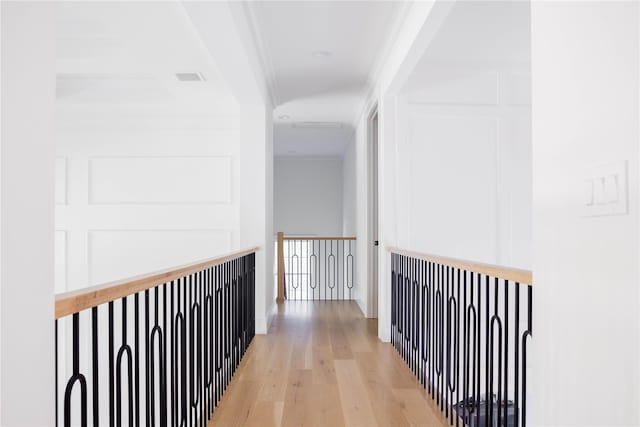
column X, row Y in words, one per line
column 158, row 180
column 448, row 87
column 119, row 254
column 516, row 89
column 61, row 181
column 453, row 164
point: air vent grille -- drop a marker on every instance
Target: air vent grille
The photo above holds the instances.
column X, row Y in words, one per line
column 317, row 125
column 190, row 77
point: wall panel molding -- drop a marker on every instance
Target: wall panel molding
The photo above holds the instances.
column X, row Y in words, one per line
column 140, row 251
column 134, row 180
column 61, row 180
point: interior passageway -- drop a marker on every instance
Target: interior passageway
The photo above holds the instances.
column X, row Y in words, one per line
column 322, row 364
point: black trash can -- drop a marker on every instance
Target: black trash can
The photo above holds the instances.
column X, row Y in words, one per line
column 475, row 414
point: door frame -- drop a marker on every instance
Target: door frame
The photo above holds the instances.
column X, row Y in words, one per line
column 373, row 193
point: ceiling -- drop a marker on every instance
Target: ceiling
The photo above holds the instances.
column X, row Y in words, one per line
column 319, row 57
column 484, row 31
column 122, row 58
column 476, row 37
column 115, row 57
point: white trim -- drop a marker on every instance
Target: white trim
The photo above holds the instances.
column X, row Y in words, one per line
column 248, row 9
column 272, row 312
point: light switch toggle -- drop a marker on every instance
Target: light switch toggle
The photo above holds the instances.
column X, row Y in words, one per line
column 588, row 192
column 611, row 188
column 605, row 190
column 598, row 190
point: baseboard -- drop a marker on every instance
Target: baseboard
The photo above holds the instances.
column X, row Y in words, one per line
column 361, row 307
column 261, row 325
column 271, row 314
column 264, row 322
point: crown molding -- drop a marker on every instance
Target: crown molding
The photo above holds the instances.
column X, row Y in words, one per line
column 262, row 51
column 369, row 100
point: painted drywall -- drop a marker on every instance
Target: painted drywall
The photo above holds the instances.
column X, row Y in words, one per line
column 308, row 195
column 349, row 191
column 585, row 113
column 463, row 181
column 256, row 188
column 228, row 37
column 140, row 198
column 356, row 160
column 417, row 110
column 26, row 225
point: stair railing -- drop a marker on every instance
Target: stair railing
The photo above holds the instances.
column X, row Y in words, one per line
column 464, row 329
column 316, row 268
column 155, row 350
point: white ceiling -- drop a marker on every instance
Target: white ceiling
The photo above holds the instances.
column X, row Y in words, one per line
column 121, row 57
column 476, row 37
column 320, row 89
column 484, row 31
column 114, row 57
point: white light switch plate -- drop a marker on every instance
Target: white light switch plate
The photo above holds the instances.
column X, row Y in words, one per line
column 605, row 190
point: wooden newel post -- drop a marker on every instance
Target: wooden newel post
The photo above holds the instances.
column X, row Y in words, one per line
column 280, row 297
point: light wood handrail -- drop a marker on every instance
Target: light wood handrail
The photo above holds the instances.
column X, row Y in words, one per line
column 513, row 274
column 316, row 238
column 74, row 301
column 280, row 257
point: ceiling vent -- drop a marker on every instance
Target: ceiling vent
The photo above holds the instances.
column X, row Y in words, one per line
column 317, row 125
column 190, row 77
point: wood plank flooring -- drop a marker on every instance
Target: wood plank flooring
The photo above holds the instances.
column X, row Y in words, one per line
column 322, row 365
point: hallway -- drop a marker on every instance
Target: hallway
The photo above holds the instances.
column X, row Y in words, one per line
column 321, row 364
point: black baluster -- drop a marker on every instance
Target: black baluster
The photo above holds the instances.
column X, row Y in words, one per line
column 479, row 347
column 125, row 350
column 516, row 358
column 55, row 367
column 112, row 414
column 147, row 357
column 465, row 353
column 447, row 387
column 496, row 321
column 489, row 417
column 505, row 416
column 164, row 421
column 76, row 377
column 184, row 380
column 95, row 362
column 136, row 356
column 174, row 394
column 527, row 334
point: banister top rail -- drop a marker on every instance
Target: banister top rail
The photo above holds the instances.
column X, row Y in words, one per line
column 507, row 273
column 317, row 238
column 74, row 301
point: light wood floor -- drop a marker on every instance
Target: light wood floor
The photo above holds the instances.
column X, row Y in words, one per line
column 322, row 365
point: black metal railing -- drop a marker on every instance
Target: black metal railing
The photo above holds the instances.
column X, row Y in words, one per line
column 463, row 329
column 319, row 268
column 159, row 356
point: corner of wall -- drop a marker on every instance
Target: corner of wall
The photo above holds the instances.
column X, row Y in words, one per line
column 362, row 306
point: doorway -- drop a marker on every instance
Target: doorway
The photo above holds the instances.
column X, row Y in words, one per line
column 373, row 243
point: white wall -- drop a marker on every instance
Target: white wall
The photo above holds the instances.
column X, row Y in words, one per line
column 356, row 160
column 308, row 195
column 26, row 227
column 404, row 52
column 463, row 181
column 256, row 203
column 153, row 172
column 467, row 88
column 349, row 190
column 585, row 113
column 135, row 196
